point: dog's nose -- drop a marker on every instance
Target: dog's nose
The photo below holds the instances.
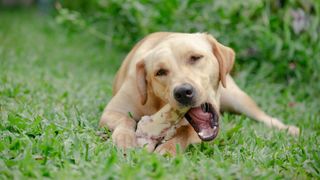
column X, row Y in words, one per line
column 184, row 94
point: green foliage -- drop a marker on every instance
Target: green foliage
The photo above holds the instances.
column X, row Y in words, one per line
column 260, row 31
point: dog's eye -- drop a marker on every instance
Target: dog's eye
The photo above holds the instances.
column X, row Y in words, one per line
column 162, row 72
column 194, row 58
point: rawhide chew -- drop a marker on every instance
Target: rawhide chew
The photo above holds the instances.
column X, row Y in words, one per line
column 159, row 127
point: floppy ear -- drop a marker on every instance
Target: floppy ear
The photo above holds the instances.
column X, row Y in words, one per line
column 141, row 82
column 225, row 57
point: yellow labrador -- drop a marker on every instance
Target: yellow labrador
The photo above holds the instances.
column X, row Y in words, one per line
column 184, row 70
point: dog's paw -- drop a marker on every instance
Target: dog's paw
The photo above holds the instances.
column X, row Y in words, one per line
column 124, row 138
column 167, row 148
column 293, row 130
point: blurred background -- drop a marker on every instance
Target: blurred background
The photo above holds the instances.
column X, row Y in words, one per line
column 280, row 35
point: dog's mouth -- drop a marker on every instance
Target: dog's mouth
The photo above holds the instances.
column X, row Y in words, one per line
column 204, row 120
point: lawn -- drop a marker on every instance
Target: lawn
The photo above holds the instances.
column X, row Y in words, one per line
column 54, row 84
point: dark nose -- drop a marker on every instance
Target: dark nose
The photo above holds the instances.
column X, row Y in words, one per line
column 184, row 94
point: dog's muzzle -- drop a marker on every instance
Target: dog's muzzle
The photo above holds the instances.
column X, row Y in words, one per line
column 204, row 120
column 184, row 94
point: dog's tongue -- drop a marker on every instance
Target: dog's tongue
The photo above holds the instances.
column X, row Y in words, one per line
column 197, row 113
column 204, row 123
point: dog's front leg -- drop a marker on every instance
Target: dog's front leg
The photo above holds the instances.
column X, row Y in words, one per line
column 122, row 127
column 185, row 135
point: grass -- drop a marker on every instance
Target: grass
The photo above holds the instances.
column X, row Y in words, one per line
column 54, row 85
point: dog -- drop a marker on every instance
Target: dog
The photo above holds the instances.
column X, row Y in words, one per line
column 185, row 70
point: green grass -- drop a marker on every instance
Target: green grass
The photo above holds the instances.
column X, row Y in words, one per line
column 54, row 85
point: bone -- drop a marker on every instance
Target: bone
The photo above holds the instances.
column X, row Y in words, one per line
column 159, row 127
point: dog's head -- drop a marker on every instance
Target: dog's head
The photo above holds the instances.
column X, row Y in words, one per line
column 185, row 70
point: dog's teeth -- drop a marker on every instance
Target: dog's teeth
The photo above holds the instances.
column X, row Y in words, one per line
column 203, row 107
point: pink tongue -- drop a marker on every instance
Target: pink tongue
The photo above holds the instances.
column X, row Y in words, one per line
column 197, row 113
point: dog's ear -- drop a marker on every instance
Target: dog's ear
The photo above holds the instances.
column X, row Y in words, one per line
column 141, row 82
column 225, row 57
